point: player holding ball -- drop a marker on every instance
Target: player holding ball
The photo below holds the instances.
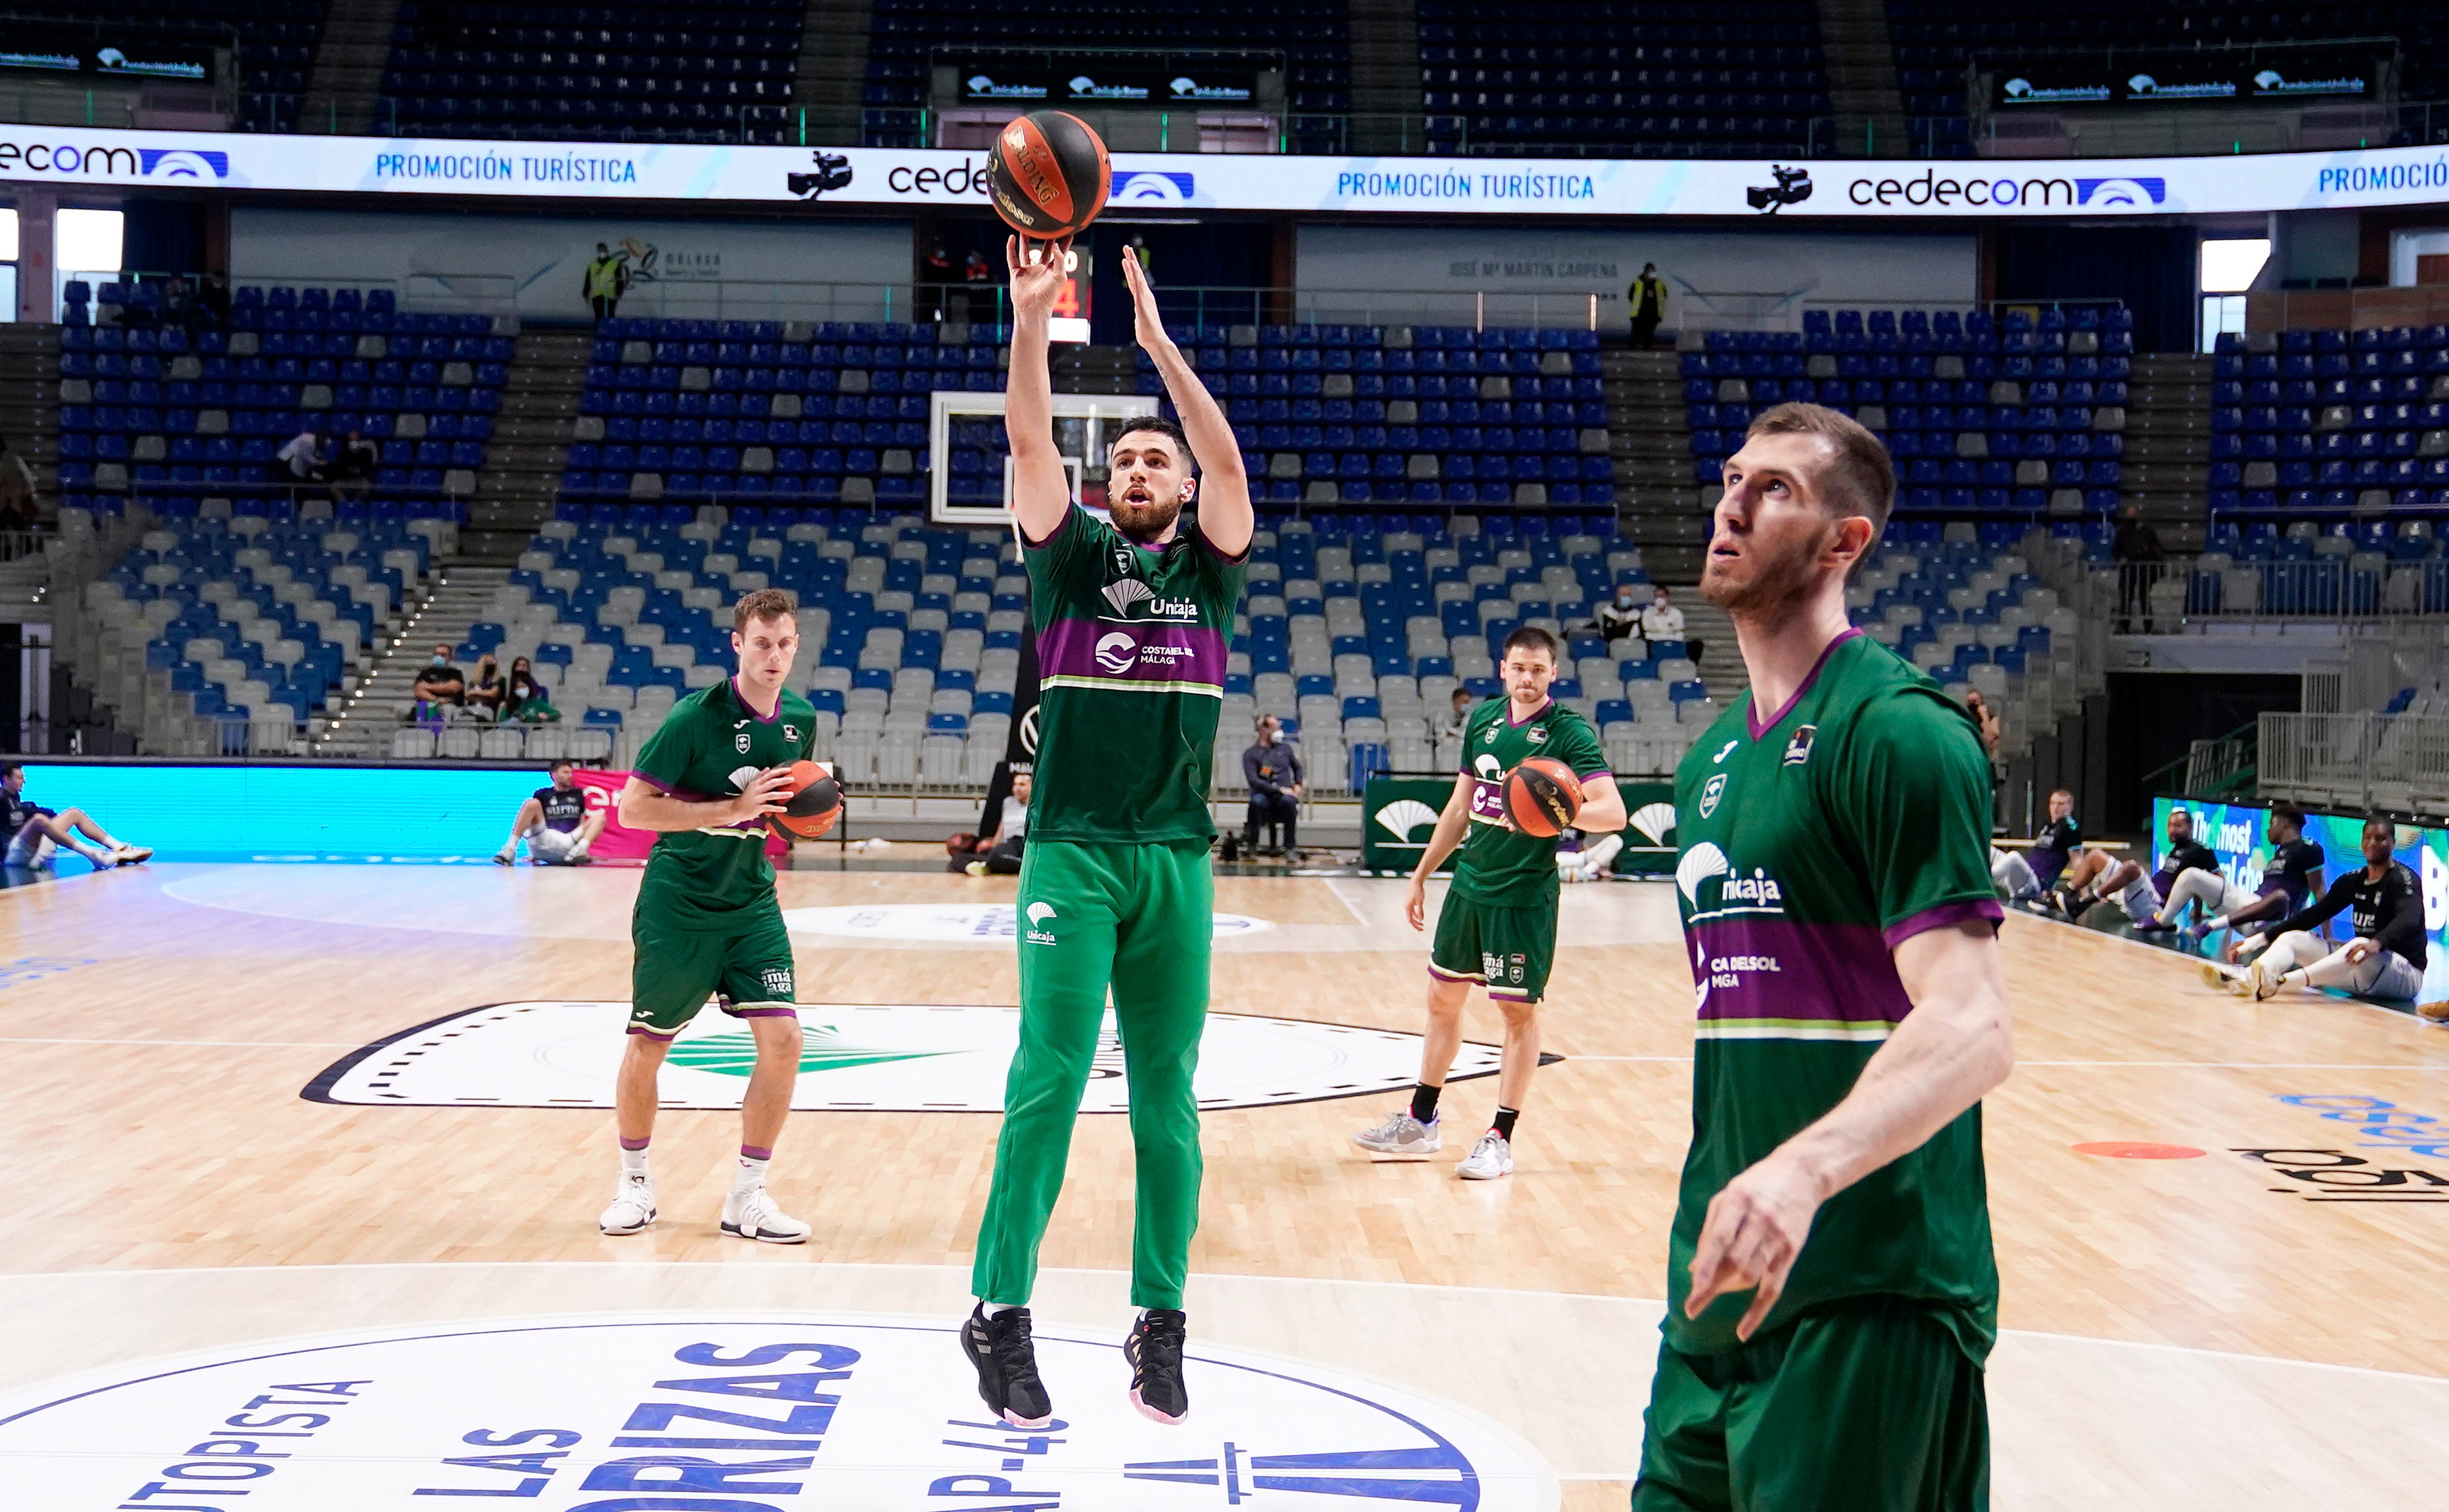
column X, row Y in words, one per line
column 726, row 768
column 1529, row 767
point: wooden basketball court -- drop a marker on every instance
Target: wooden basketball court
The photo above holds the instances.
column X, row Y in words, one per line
column 2216, row 1329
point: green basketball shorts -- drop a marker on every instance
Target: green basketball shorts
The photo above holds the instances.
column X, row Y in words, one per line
column 747, row 968
column 1868, row 1405
column 1508, row 949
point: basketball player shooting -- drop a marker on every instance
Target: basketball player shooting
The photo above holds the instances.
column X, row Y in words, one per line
column 707, row 922
column 1132, row 622
column 1831, row 1292
column 1498, row 926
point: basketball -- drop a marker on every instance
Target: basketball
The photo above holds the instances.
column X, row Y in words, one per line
column 816, row 803
column 1048, row 174
column 1542, row 796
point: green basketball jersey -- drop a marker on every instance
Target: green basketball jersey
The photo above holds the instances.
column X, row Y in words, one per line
column 1130, row 671
column 1495, row 864
column 1814, row 839
column 711, row 746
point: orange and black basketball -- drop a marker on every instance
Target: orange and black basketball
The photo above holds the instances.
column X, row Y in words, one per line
column 1048, row 174
column 815, row 804
column 1542, row 796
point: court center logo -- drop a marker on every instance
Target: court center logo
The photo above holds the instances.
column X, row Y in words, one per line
column 745, row 1414
column 864, row 1058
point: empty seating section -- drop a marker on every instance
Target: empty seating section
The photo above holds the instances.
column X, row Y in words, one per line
column 1359, row 630
column 1962, row 605
column 1355, row 631
column 1982, row 415
column 1401, row 414
column 275, row 43
column 250, row 619
column 1612, row 78
column 905, row 35
column 630, row 70
column 175, row 414
column 821, row 412
column 2322, row 423
column 1934, row 39
column 2310, row 568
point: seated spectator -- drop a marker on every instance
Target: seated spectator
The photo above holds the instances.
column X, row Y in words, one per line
column 1003, row 854
column 304, row 456
column 440, row 689
column 1620, row 616
column 525, row 699
column 487, row 690
column 556, row 824
column 2034, row 871
column 35, row 833
column 1450, row 727
column 352, row 469
column 2385, row 959
column 1272, row 770
column 1661, row 620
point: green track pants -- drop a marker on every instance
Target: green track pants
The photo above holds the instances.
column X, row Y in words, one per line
column 1137, row 917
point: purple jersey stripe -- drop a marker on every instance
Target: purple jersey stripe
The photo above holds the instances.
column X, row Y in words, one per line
column 1943, row 917
column 1767, row 967
column 1139, row 651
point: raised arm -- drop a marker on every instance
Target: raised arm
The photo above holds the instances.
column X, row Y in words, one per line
column 1956, row 1045
column 1224, row 515
column 1040, row 494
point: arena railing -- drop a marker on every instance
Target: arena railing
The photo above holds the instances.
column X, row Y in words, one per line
column 2159, row 597
column 2396, row 763
column 2178, row 134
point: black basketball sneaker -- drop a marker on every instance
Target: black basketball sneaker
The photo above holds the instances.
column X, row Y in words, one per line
column 1007, row 1361
column 1154, row 1350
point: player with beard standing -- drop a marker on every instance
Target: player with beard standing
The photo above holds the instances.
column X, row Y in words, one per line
column 1831, row 1293
column 1132, row 622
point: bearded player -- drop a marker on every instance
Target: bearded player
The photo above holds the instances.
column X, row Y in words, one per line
column 707, row 922
column 1831, row 1294
column 1498, row 926
column 1132, row 621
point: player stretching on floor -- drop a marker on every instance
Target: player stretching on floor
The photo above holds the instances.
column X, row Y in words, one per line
column 706, row 920
column 1831, row 1293
column 35, row 832
column 1498, row 926
column 555, row 822
column 2095, row 876
column 1132, row 622
column 2031, row 875
column 2288, row 881
column 2385, row 960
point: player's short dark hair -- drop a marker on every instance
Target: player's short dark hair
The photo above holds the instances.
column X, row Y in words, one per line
column 1168, row 428
column 2054, row 792
column 7, row 767
column 764, row 603
column 2288, row 812
column 2389, row 824
column 559, row 762
column 1863, row 481
column 1531, row 638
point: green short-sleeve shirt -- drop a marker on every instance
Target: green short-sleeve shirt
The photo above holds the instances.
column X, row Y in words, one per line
column 1498, row 865
column 711, row 746
column 1131, row 645
column 1814, row 839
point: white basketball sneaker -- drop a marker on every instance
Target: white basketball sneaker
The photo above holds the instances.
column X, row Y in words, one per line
column 633, row 1204
column 750, row 1214
column 1403, row 1134
column 1490, row 1158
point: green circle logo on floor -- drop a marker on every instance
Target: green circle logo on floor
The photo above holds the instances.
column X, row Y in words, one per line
column 853, row 1057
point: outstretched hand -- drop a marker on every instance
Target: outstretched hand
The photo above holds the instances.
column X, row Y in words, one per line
column 1038, row 273
column 1147, row 323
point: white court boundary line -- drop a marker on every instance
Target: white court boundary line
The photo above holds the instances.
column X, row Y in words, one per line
column 7, row 1276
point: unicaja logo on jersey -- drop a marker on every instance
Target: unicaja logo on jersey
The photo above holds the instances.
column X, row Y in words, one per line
column 1711, row 791
column 1038, row 915
column 1117, row 653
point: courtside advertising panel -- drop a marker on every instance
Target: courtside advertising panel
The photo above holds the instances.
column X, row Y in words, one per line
column 2238, row 834
column 611, row 171
column 262, row 812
